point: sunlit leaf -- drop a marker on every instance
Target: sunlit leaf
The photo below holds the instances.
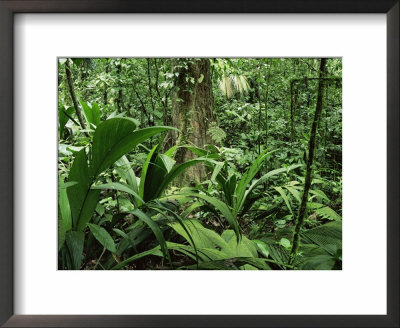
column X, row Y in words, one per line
column 116, row 137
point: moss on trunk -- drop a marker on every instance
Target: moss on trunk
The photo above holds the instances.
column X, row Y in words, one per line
column 192, row 111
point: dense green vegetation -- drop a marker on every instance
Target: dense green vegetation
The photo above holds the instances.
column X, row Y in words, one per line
column 196, row 163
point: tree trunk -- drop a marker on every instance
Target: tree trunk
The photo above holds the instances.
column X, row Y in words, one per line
column 258, row 68
column 72, row 93
column 266, row 101
column 266, row 113
column 105, row 85
column 192, row 111
column 119, row 97
column 291, row 112
column 311, row 151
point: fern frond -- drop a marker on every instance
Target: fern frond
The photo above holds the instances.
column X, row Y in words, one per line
column 328, row 213
column 325, row 236
column 225, row 86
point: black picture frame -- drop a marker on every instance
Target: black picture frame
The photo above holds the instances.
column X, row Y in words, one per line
column 8, row 199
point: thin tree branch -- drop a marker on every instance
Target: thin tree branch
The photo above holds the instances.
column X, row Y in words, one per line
column 311, row 150
column 73, row 96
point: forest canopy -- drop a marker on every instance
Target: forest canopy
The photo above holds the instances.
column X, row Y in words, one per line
column 200, row 163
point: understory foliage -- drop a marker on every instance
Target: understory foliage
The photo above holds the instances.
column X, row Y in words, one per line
column 122, row 203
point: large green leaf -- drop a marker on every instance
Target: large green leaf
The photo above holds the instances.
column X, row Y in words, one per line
column 294, row 192
column 229, row 187
column 159, row 171
column 328, row 213
column 153, row 172
column 202, row 237
column 167, row 161
column 65, row 185
column 248, row 177
column 75, row 241
column 163, row 210
column 325, row 235
column 64, row 209
column 137, row 234
column 124, row 169
column 278, row 253
column 170, row 152
column 155, row 251
column 191, row 208
column 321, row 248
column 320, row 194
column 174, row 172
column 246, row 248
column 92, row 112
column 261, row 247
column 222, row 207
column 214, row 251
column 95, row 114
column 120, row 187
column 61, row 234
column 64, row 213
column 156, row 230
column 285, row 198
column 265, row 177
column 82, row 199
column 64, row 114
column 114, row 138
column 318, row 262
column 103, row 237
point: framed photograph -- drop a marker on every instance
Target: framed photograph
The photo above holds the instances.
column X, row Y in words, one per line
column 199, row 165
